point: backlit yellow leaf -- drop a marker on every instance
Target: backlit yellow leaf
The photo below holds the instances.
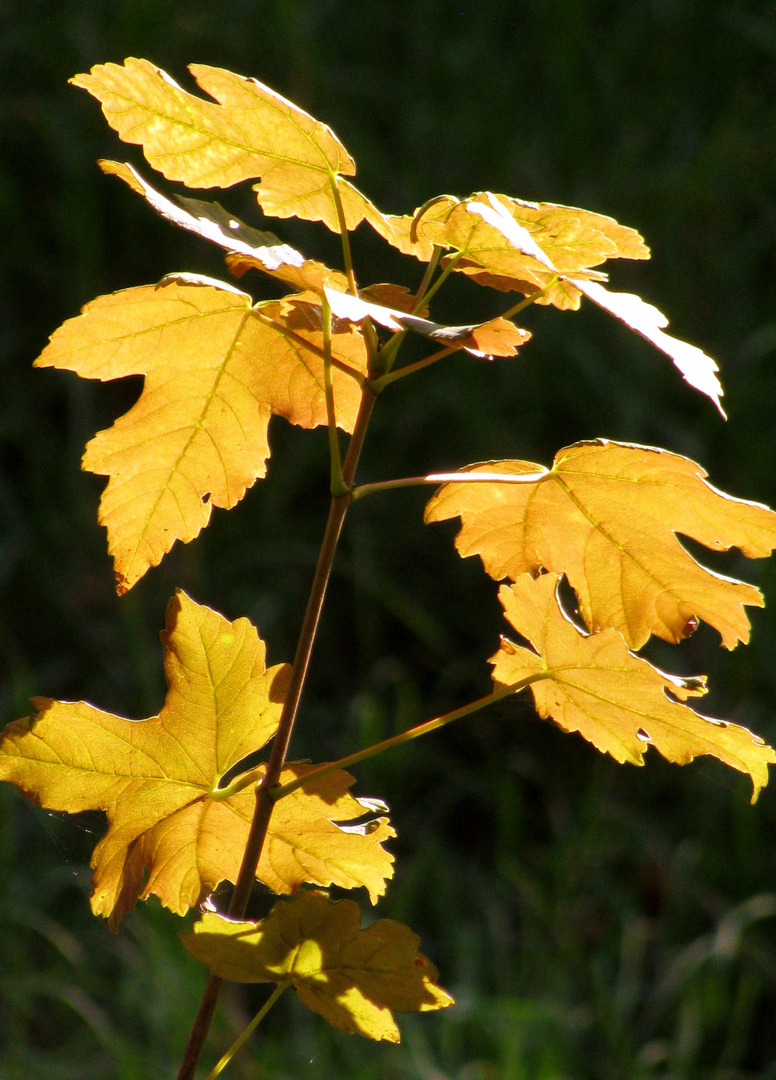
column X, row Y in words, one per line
column 216, row 368
column 354, row 978
column 248, row 131
column 606, row 515
column 615, row 699
column 169, row 834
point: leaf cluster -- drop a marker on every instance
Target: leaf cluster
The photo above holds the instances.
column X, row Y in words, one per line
column 186, row 806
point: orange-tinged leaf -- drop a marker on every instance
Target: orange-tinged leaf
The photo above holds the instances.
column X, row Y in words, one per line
column 311, row 275
column 157, row 779
column 406, row 234
column 392, row 296
column 566, row 240
column 616, row 700
column 292, row 363
column 248, row 247
column 697, row 368
column 497, row 337
column 606, row 515
column 249, row 131
column 216, row 368
column 354, row 978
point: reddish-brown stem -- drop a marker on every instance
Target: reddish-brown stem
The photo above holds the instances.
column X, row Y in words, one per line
column 264, row 804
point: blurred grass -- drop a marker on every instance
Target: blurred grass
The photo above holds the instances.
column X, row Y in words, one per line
column 592, row 920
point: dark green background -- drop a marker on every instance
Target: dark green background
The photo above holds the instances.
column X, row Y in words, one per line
column 593, row 920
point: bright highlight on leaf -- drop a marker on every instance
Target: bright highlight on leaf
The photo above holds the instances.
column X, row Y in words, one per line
column 497, row 337
column 616, row 700
column 216, row 368
column 158, row 779
column 251, row 132
column 606, row 515
column 354, row 978
column 248, row 247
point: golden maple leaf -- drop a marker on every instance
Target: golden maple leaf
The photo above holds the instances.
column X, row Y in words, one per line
column 606, row 515
column 594, row 685
column 216, row 367
column 528, row 252
column 248, row 131
column 158, row 779
column 354, row 978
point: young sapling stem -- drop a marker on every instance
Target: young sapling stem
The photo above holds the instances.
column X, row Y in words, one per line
column 338, row 486
column 264, row 803
column 249, row 1030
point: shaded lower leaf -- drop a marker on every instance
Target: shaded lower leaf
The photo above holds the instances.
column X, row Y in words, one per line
column 354, row 978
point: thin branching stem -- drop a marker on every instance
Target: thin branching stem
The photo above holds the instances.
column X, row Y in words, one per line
column 369, row 331
column 452, row 262
column 421, row 296
column 405, row 736
column 435, row 479
column 410, row 369
column 344, row 234
column 249, row 1030
column 531, row 299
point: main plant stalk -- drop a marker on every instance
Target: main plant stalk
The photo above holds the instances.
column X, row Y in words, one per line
column 264, row 804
